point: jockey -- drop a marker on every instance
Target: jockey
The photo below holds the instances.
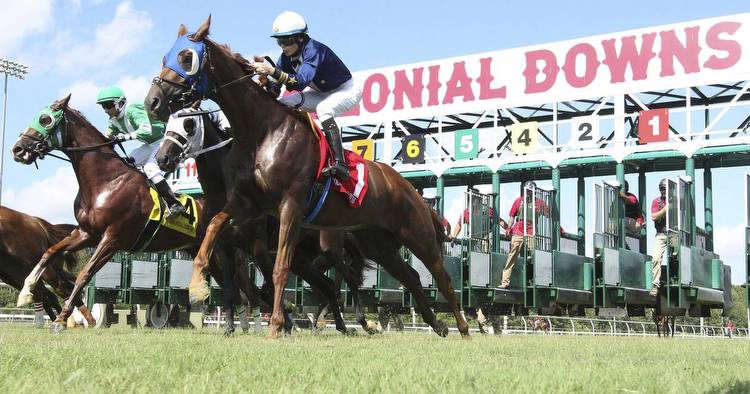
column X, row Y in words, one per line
column 321, row 80
column 131, row 122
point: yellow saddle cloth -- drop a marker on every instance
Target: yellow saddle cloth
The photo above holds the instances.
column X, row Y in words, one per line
column 185, row 224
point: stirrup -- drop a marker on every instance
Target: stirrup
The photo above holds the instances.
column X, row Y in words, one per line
column 176, row 210
column 337, row 170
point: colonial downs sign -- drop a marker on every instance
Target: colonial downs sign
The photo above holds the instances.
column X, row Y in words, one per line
column 694, row 53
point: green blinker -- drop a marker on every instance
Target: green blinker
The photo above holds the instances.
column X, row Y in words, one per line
column 46, row 122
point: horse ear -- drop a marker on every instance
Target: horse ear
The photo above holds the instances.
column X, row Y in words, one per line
column 202, row 32
column 182, row 30
column 62, row 103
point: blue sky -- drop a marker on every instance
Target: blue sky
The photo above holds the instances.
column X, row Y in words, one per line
column 80, row 45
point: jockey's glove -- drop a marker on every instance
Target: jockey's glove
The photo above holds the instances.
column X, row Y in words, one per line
column 124, row 137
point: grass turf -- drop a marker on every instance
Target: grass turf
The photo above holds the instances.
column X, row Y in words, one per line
column 123, row 360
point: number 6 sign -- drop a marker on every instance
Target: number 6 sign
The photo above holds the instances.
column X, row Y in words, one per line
column 653, row 125
column 413, row 149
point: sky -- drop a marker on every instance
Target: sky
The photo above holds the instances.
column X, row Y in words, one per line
column 79, row 46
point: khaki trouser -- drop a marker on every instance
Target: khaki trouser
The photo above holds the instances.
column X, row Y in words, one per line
column 660, row 246
column 516, row 243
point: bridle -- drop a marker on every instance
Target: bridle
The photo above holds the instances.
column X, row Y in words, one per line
column 44, row 146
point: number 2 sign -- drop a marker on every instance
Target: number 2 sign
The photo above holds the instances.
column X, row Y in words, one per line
column 653, row 125
column 584, row 130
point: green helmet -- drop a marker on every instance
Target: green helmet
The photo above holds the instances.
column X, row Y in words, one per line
column 110, row 93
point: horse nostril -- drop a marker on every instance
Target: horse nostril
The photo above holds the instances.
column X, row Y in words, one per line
column 17, row 150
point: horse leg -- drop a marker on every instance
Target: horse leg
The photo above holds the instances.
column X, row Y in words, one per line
column 265, row 265
column 104, row 251
column 198, row 289
column 72, row 242
column 63, row 282
column 226, row 257
column 431, row 256
column 384, row 249
column 317, row 279
column 289, row 218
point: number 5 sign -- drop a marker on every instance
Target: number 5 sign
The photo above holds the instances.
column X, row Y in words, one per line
column 364, row 148
column 653, row 125
column 584, row 130
column 466, row 144
column 524, row 137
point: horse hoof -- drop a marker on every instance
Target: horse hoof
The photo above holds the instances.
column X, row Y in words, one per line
column 24, row 298
column 441, row 329
column 57, row 327
column 198, row 295
column 228, row 333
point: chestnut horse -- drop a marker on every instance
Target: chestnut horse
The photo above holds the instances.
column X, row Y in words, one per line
column 273, row 162
column 23, row 240
column 112, row 206
column 196, row 136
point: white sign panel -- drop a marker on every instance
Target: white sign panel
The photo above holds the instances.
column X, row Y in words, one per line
column 701, row 52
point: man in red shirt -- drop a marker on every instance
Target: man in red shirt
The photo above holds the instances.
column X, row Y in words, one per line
column 466, row 219
column 633, row 216
column 519, row 227
column 659, row 216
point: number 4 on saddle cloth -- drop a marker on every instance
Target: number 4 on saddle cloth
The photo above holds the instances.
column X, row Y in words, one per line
column 186, row 223
column 353, row 189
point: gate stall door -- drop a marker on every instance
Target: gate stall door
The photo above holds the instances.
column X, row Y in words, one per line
column 479, row 235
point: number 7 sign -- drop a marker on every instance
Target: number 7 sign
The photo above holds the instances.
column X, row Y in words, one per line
column 653, row 125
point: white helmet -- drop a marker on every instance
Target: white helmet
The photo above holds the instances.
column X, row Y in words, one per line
column 289, row 23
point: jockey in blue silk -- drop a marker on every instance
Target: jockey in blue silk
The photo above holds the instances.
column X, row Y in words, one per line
column 131, row 122
column 321, row 81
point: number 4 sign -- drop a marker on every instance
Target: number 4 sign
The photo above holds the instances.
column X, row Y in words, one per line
column 653, row 125
column 524, row 137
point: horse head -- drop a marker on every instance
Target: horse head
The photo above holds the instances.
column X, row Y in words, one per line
column 184, row 76
column 183, row 137
column 44, row 134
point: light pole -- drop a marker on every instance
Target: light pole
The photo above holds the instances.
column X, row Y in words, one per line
column 14, row 69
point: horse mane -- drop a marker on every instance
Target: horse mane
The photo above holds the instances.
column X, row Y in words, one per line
column 247, row 68
column 83, row 120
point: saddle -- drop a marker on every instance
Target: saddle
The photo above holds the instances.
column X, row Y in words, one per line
column 186, row 224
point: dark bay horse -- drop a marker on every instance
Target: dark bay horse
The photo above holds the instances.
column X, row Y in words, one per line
column 273, row 162
column 23, row 240
column 197, row 136
column 113, row 202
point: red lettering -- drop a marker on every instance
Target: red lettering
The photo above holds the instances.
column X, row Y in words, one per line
column 485, row 78
column 629, row 54
column 433, row 85
column 687, row 55
column 383, row 91
column 549, row 70
column 411, row 89
column 458, row 85
column 731, row 47
column 591, row 65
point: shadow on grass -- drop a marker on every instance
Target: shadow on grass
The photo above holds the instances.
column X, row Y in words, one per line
column 732, row 388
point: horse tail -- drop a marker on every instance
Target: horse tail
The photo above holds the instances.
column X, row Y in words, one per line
column 55, row 233
column 440, row 234
column 360, row 262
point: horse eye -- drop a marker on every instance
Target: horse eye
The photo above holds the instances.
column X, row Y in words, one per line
column 189, row 125
column 185, row 59
column 46, row 121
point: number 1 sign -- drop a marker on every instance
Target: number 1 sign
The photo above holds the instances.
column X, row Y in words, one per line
column 653, row 125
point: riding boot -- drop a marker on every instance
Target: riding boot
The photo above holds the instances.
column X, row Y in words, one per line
column 333, row 136
column 175, row 207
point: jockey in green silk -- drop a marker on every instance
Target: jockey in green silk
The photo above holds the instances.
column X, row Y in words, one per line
column 131, row 122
